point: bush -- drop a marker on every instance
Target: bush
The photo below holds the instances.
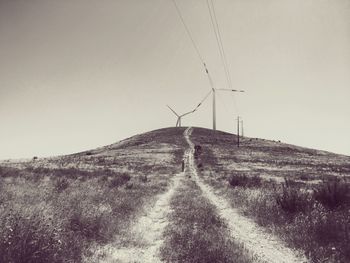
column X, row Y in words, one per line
column 291, row 199
column 129, row 185
column 35, row 239
column 143, row 178
column 332, row 194
column 9, row 172
column 244, row 181
column 119, row 180
column 89, row 225
column 61, row 184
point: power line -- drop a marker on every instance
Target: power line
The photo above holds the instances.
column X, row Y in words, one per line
column 188, row 32
column 223, row 56
column 217, row 33
column 222, row 45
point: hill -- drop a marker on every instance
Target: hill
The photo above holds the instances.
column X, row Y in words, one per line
column 156, row 197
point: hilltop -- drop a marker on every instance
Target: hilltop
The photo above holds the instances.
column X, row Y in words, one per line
column 155, row 146
column 156, row 197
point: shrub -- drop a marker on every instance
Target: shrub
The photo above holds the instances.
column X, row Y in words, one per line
column 9, row 172
column 34, row 239
column 119, row 180
column 244, row 181
column 61, row 184
column 304, row 177
column 88, row 225
column 332, row 194
column 129, row 185
column 143, row 178
column 291, row 199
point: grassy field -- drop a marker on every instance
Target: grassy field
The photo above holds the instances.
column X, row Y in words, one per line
column 59, row 209
column 299, row 194
column 196, row 233
column 63, row 209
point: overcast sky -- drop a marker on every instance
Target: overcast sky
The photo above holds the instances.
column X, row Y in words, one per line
column 78, row 74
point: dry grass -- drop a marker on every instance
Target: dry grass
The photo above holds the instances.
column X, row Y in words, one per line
column 196, row 233
column 56, row 219
column 60, row 209
column 314, row 218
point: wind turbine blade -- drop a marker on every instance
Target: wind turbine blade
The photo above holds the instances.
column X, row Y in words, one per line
column 206, row 96
column 234, row 90
column 187, row 113
column 173, row 111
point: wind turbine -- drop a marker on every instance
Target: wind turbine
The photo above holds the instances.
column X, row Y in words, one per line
column 214, row 103
column 213, row 91
column 178, row 123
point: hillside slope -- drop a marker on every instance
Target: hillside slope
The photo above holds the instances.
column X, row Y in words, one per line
column 269, row 159
column 299, row 194
column 58, row 209
column 154, row 198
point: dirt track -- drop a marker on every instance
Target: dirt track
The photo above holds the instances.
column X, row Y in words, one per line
column 147, row 231
column 264, row 246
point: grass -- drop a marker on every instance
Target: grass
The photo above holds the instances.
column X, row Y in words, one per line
column 333, row 193
column 311, row 218
column 56, row 220
column 61, row 209
column 244, row 181
column 196, row 233
column 292, row 199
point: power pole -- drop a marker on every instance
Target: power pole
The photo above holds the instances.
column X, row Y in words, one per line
column 242, row 130
column 214, row 111
column 238, row 131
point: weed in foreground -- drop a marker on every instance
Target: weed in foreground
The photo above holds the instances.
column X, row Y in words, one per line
column 36, row 238
column 303, row 222
column 291, row 199
column 245, row 181
column 119, row 180
column 332, row 194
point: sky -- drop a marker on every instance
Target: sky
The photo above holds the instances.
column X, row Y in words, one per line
column 80, row 74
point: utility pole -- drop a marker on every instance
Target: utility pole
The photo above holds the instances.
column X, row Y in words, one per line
column 214, row 111
column 242, row 130
column 238, row 131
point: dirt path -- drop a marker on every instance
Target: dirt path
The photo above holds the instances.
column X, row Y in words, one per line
column 146, row 233
column 263, row 245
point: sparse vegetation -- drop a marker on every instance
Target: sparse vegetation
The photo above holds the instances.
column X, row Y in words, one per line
column 244, row 181
column 57, row 220
column 312, row 218
column 144, row 178
column 291, row 199
column 119, row 180
column 61, row 184
column 59, row 209
column 196, row 233
column 333, row 193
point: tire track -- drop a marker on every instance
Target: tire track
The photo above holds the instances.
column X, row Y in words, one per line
column 263, row 245
column 147, row 233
